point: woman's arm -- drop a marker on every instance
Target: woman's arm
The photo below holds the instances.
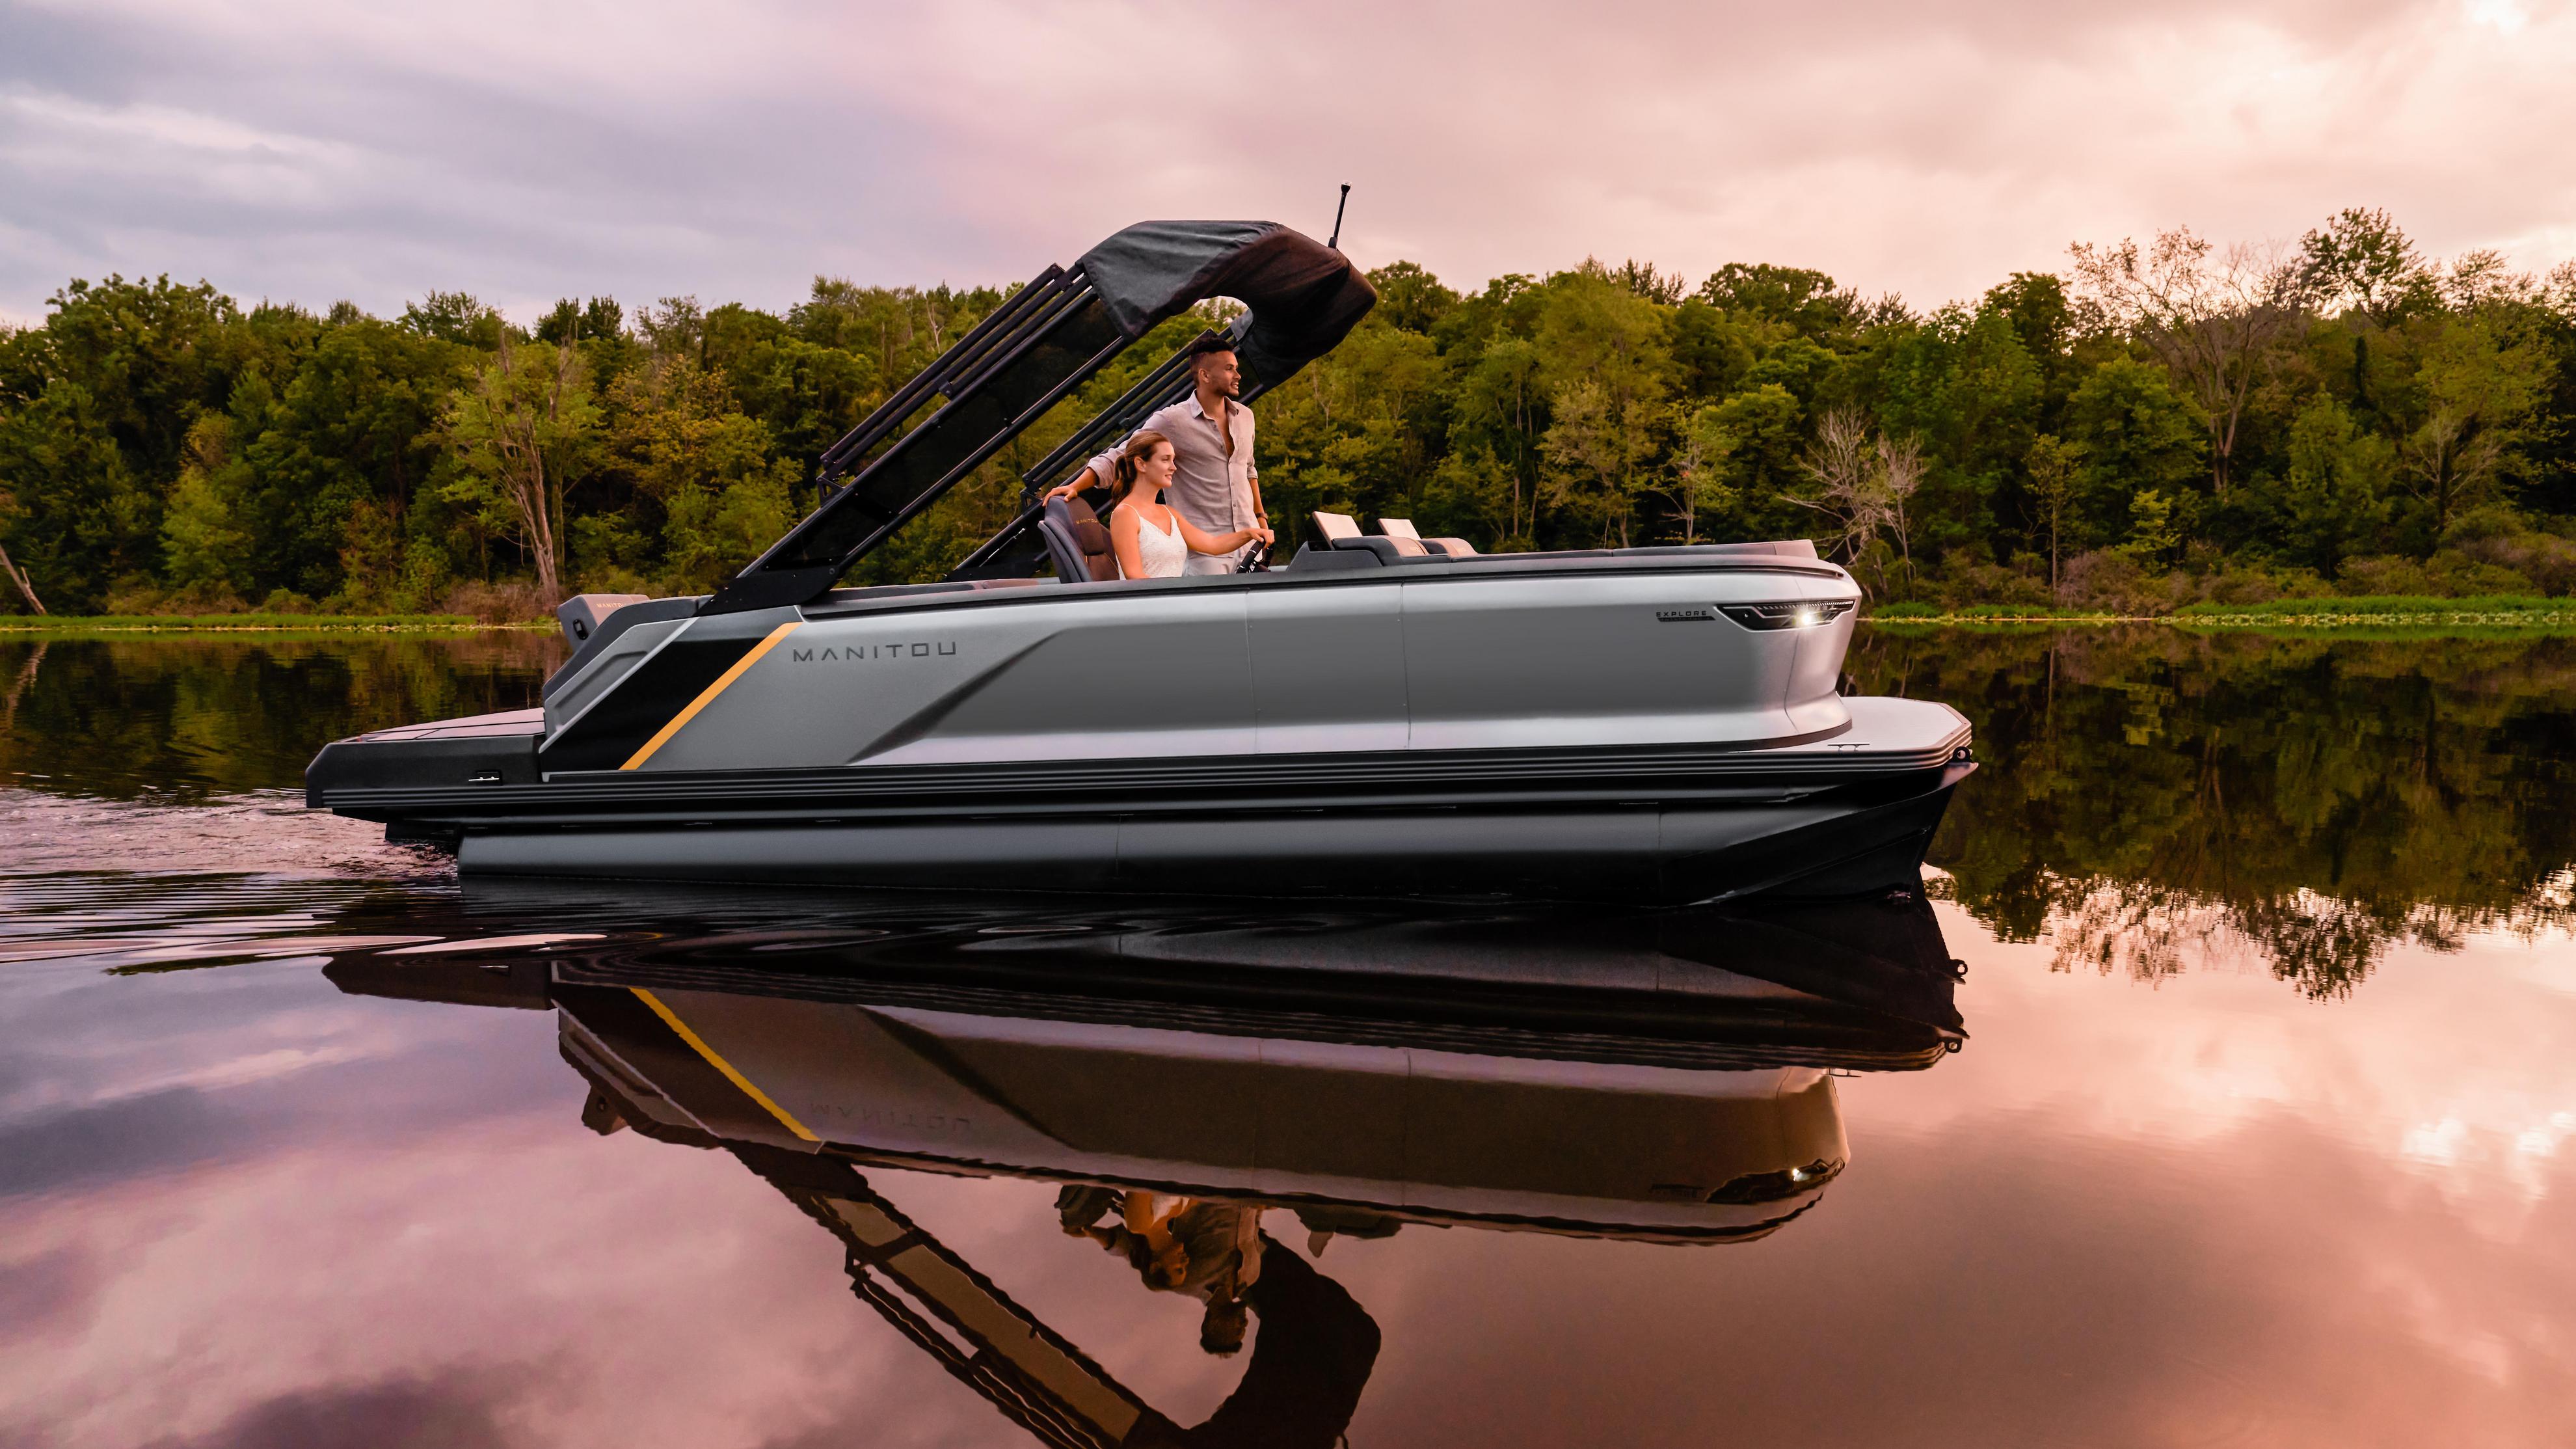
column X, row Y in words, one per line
column 1122, row 542
column 1219, row 543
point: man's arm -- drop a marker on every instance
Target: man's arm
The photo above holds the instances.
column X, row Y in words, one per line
column 1092, row 475
column 1097, row 472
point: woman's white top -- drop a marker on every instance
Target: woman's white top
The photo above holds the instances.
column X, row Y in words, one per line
column 1163, row 552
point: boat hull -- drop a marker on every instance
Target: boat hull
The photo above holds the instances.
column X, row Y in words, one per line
column 1848, row 839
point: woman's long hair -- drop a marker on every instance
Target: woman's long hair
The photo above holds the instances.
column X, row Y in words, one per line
column 1123, row 470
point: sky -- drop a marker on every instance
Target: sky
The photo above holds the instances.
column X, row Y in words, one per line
column 320, row 150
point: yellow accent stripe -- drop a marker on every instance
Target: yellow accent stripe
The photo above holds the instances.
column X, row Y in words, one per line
column 717, row 1062
column 723, row 682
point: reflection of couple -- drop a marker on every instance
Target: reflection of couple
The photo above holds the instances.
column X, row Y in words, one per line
column 1200, row 450
column 1316, row 1347
column 1209, row 1250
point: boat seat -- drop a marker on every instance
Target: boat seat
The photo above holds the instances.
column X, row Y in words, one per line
column 1388, row 550
column 1342, row 535
column 582, row 614
column 1077, row 543
column 1784, row 548
column 1402, row 528
column 1336, row 527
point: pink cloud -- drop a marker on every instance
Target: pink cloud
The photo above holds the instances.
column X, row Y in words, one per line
column 381, row 151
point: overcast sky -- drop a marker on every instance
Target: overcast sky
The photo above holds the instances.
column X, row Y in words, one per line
column 314, row 150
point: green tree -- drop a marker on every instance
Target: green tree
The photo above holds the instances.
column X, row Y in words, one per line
column 574, row 322
column 1598, row 452
column 2334, row 495
column 2362, row 261
column 2132, row 432
column 1595, row 330
column 81, row 521
column 1481, row 496
column 2152, row 538
column 2053, row 466
column 334, row 458
column 518, row 428
column 709, row 469
column 2211, row 314
column 1712, row 352
column 95, row 405
column 1797, row 297
column 1700, row 486
column 1409, row 298
column 1765, row 433
column 457, row 318
column 1498, row 421
column 1601, row 354
column 1964, row 387
column 2478, row 385
column 2039, row 313
column 206, row 542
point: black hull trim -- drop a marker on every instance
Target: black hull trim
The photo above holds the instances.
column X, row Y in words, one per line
column 1862, row 836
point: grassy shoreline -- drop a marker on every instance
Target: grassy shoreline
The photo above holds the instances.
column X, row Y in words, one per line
column 2511, row 612
column 253, row 624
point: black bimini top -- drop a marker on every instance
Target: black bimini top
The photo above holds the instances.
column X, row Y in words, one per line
column 1033, row 350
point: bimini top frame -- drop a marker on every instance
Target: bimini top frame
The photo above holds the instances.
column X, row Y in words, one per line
column 1024, row 358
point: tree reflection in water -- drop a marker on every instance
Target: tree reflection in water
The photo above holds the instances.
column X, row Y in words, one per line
column 187, row 717
column 2156, row 798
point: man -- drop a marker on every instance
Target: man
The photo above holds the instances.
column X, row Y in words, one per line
column 1214, row 484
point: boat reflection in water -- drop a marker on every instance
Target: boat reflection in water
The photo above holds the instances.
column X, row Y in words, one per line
column 1200, row 1087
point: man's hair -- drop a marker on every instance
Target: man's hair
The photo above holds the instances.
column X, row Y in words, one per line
column 1210, row 347
column 1221, row 1327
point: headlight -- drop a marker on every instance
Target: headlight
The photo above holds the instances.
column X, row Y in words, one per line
column 1796, row 614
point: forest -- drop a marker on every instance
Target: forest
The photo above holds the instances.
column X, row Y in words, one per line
column 2155, row 424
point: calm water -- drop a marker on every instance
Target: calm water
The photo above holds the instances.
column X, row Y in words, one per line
column 2258, row 1129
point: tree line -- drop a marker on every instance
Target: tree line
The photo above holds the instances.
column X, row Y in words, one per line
column 2156, row 423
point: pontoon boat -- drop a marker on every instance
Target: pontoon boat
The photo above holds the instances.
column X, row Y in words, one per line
column 1382, row 715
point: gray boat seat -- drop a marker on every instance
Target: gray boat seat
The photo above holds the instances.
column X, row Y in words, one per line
column 1078, row 543
column 582, row 614
column 1402, row 528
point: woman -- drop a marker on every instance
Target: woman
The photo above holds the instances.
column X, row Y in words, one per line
column 1151, row 540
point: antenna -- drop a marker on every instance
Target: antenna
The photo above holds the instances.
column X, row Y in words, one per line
column 1336, row 242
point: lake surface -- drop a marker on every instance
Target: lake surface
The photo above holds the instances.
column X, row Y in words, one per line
column 2246, row 1117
